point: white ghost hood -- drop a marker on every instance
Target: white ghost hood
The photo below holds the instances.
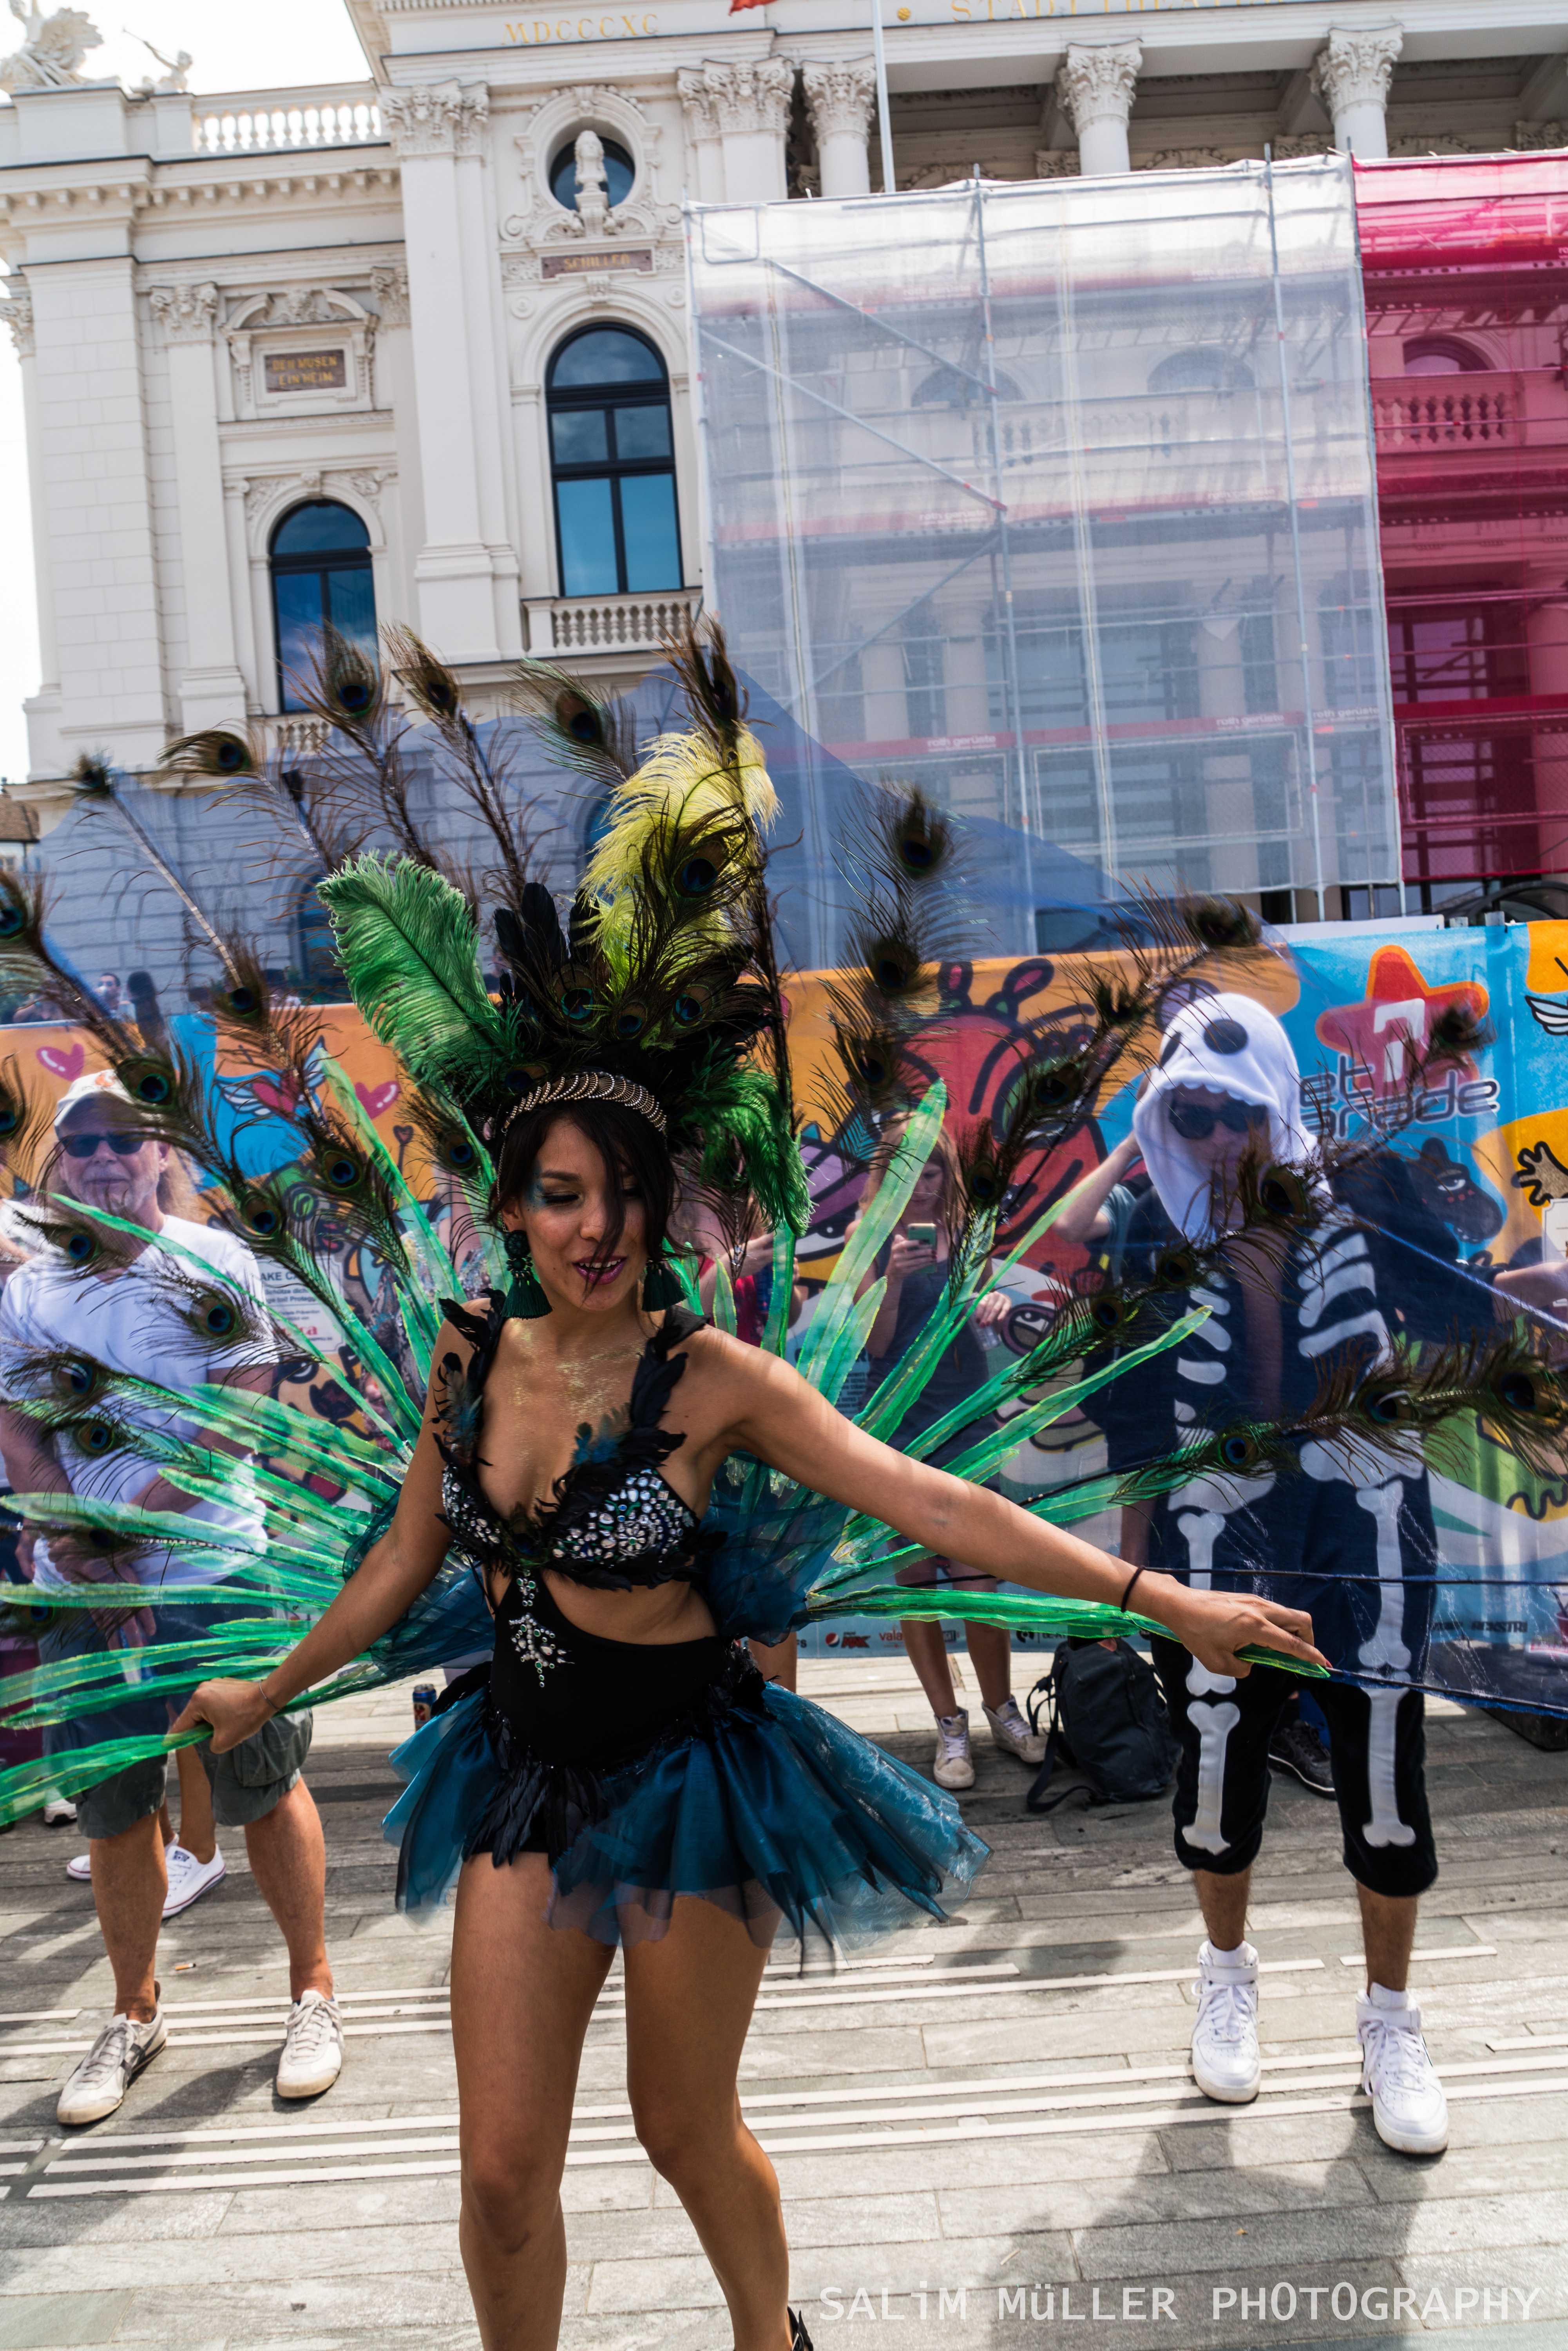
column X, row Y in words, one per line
column 1234, row 1046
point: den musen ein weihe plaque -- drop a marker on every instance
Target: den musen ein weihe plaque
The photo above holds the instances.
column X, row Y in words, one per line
column 305, row 371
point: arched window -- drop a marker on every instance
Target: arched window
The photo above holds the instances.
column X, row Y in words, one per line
column 949, row 388
column 1202, row 369
column 612, row 461
column 321, row 574
column 618, row 173
column 1442, row 355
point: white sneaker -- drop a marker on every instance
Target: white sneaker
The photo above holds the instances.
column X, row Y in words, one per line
column 1408, row 2107
column 58, row 1811
column 189, row 1878
column 1013, row 1735
column 1225, row 2064
column 80, row 1868
column 951, row 1767
column 109, row 2067
column 312, row 2055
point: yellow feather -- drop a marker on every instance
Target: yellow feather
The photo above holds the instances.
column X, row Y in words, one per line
column 684, row 780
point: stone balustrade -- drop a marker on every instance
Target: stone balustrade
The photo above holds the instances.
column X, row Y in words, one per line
column 592, row 624
column 279, row 121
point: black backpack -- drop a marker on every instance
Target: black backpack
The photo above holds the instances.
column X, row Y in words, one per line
column 1105, row 1716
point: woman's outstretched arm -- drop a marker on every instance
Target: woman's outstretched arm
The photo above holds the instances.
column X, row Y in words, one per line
column 394, row 1574
column 783, row 1421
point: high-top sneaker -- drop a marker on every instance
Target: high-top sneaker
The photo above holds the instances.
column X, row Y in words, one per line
column 1225, row 2060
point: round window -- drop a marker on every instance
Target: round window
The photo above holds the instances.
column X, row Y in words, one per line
column 618, row 173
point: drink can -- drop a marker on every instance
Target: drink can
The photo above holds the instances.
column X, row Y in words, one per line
column 424, row 1698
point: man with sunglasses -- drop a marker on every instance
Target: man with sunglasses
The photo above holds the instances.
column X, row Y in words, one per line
column 130, row 1312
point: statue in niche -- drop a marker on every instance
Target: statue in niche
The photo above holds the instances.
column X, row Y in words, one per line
column 52, row 48
column 592, row 187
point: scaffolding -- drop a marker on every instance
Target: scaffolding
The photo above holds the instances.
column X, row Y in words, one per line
column 1060, row 499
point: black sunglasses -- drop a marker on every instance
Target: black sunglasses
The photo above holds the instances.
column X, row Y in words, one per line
column 1194, row 1124
column 124, row 1144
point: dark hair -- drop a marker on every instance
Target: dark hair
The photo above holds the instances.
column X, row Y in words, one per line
column 623, row 1139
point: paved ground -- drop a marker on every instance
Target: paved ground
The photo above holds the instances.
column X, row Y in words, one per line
column 1000, row 2122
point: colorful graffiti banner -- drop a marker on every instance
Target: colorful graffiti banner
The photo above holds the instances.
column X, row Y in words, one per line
column 1486, row 1144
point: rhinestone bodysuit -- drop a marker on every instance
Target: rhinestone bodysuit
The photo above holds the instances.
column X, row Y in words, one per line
column 615, row 1524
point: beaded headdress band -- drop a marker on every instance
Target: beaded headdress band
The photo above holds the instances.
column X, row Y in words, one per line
column 592, row 1085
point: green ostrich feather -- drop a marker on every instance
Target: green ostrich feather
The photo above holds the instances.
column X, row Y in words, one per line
column 409, row 947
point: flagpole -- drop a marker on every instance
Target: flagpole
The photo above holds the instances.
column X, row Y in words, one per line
column 885, row 118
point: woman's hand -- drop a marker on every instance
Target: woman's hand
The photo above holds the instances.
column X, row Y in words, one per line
column 994, row 1308
column 1214, row 1625
column 905, row 1256
column 236, row 1712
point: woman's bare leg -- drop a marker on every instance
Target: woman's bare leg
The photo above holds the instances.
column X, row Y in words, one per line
column 991, row 1650
column 522, row 1993
column 925, row 1647
column 990, row 1645
column 927, row 1652
column 689, row 1999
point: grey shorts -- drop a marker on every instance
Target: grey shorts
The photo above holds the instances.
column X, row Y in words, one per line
column 258, row 1773
column 246, row 1783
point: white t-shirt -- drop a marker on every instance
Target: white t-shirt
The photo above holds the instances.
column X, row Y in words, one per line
column 134, row 1322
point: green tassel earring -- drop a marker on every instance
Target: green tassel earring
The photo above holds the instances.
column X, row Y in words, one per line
column 662, row 1286
column 526, row 1299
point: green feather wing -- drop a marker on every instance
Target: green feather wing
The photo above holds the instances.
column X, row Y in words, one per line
column 409, row 947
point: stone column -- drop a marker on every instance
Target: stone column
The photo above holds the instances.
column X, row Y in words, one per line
column 751, row 104
column 210, row 687
column 487, row 368
column 98, row 514
column 43, row 708
column 841, row 99
column 705, row 183
column 454, row 576
column 395, row 390
column 1351, row 74
column 1095, row 82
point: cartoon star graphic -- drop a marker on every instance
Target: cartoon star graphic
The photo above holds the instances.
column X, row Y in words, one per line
column 1393, row 1024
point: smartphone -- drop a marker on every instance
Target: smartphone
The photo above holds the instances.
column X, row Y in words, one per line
column 922, row 1236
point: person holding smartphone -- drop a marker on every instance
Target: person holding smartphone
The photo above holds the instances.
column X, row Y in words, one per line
column 914, row 1264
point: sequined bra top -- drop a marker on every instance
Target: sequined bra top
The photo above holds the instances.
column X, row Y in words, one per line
column 615, row 1524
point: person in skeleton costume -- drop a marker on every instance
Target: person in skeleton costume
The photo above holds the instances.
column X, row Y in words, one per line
column 1348, row 1533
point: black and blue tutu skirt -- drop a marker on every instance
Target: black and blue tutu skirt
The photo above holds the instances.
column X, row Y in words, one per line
column 753, row 1799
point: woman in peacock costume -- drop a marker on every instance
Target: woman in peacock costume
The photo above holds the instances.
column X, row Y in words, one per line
column 625, row 1490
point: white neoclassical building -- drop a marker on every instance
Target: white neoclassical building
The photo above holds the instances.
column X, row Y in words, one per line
column 415, row 347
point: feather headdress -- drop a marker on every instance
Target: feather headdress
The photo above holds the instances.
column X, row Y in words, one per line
column 661, row 990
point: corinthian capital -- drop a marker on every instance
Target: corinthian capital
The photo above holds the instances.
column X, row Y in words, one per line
column 473, row 122
column 389, row 284
column 1095, row 82
column 841, row 97
column 17, row 312
column 186, row 313
column 446, row 120
column 751, row 97
column 697, row 103
column 1356, row 69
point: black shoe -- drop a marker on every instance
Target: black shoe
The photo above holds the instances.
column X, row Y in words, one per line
column 1296, row 1747
column 798, row 2339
